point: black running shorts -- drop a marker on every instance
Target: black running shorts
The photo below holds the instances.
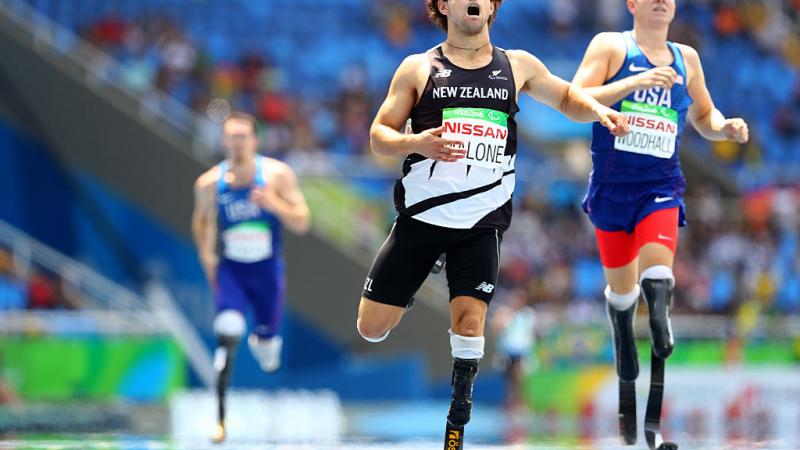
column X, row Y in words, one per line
column 407, row 256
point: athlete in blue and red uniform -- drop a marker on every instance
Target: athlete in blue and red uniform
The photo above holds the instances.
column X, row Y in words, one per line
column 245, row 201
column 635, row 196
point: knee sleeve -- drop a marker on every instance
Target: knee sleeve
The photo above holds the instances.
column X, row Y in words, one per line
column 229, row 327
column 466, row 347
column 621, row 302
column 659, row 272
column 229, row 323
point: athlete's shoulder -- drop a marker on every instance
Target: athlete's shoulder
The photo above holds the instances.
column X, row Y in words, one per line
column 276, row 165
column 208, row 179
column 609, row 37
column 607, row 43
column 525, row 65
column 416, row 59
column 412, row 67
column 414, row 62
column 522, row 57
column 275, row 169
column 689, row 53
column 517, row 54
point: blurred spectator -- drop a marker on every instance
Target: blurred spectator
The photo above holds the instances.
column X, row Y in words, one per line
column 395, row 21
column 50, row 291
column 354, row 108
column 514, row 324
column 610, row 16
column 177, row 53
column 13, row 292
column 107, row 32
column 563, row 15
column 727, row 20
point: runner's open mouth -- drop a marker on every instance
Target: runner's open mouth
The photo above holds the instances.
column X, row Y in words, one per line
column 474, row 10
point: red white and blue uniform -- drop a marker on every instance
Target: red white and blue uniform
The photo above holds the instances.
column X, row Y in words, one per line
column 636, row 187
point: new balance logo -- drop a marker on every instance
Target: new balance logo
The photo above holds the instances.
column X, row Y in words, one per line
column 443, row 73
column 485, row 287
column 663, row 199
column 496, row 75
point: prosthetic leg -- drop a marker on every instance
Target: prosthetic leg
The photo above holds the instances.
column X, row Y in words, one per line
column 466, row 352
column 657, row 286
column 229, row 327
column 626, row 358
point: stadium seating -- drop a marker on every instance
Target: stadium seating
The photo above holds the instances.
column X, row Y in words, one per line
column 272, row 58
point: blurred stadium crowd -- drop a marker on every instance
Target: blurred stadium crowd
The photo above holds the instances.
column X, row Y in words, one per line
column 164, row 53
column 739, row 255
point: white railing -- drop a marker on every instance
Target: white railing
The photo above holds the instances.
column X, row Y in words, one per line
column 72, row 322
column 166, row 311
column 106, row 307
column 97, row 291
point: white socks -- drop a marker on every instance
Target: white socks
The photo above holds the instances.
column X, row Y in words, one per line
column 466, row 347
column 621, row 302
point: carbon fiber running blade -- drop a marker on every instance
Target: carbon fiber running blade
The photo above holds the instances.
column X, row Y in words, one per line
column 652, row 419
column 453, row 438
column 627, row 412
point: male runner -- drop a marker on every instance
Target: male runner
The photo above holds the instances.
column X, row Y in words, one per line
column 458, row 176
column 245, row 200
column 635, row 196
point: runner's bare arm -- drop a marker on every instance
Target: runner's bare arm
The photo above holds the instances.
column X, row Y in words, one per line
column 706, row 118
column 204, row 223
column 571, row 100
column 385, row 135
column 604, row 55
column 290, row 205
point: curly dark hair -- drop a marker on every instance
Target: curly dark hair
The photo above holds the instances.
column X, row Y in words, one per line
column 440, row 19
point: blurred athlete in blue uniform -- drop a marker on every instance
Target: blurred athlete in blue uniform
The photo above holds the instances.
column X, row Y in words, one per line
column 241, row 206
column 635, row 195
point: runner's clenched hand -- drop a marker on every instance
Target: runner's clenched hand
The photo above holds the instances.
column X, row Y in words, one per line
column 615, row 121
column 431, row 144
